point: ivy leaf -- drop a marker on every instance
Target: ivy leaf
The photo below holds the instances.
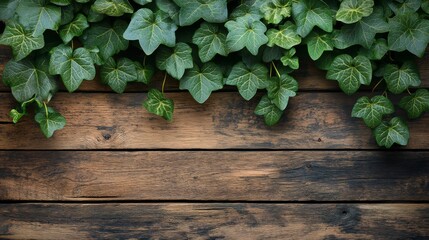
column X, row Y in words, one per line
column 8, row 8
column 350, row 72
column 399, row 79
column 425, row 7
column 169, row 7
column 214, row 11
column 280, row 89
column 74, row 66
column 117, row 75
column 151, row 29
column 245, row 32
column 246, row 11
column 49, row 121
column 352, row 11
column 272, row 53
column 39, row 15
column 201, row 82
column 211, row 40
column 395, row 131
column 276, row 10
column 270, row 111
column 318, row 43
column 377, row 51
column 310, row 13
column 106, row 37
column 248, row 79
column 142, row 2
column 27, row 80
column 21, row 41
column 372, row 110
column 175, row 60
column 285, row 38
column 157, row 104
column 61, row 2
column 144, row 73
column 408, row 32
column 415, row 104
column 73, row 29
column 289, row 59
column 113, row 8
column 404, row 7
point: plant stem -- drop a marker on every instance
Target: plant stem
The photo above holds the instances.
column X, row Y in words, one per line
column 163, row 83
column 271, row 70
column 408, row 90
column 275, row 68
column 376, row 85
column 46, row 109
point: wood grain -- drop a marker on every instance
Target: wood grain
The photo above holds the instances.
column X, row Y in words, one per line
column 220, row 176
column 214, row 221
column 225, row 121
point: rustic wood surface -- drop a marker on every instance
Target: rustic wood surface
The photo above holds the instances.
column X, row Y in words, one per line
column 216, row 172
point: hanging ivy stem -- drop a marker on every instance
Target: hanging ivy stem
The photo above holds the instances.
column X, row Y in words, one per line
column 376, row 85
column 46, row 109
column 275, row 68
column 408, row 90
column 163, row 83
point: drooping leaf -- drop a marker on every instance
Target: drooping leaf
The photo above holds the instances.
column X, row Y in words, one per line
column 118, row 74
column 49, row 121
column 372, row 110
column 244, row 32
column 39, row 15
column 276, row 10
column 289, row 59
column 21, row 40
column 269, row 110
column 408, row 32
column 310, row 13
column 151, row 29
column 106, row 37
column 8, row 8
column 211, row 40
column 285, row 38
column 114, row 8
column 318, row 43
column 201, row 82
column 144, row 73
column 175, row 60
column 352, row 11
column 74, row 66
column 350, row 72
column 158, row 104
column 394, row 131
column 17, row 113
column 248, row 79
column 398, row 79
column 73, row 29
column 214, row 11
column 416, row 104
column 280, row 89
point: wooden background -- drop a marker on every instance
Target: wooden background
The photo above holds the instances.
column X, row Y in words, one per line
column 216, row 172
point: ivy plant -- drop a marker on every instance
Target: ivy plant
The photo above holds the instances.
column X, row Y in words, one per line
column 254, row 45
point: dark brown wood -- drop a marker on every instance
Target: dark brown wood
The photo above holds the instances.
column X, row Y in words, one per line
column 225, row 121
column 214, row 221
column 220, row 176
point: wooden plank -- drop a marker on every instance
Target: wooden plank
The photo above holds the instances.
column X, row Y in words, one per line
column 225, row 121
column 214, row 221
column 220, row 176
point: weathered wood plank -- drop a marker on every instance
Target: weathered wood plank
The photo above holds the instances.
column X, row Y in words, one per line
column 221, row 176
column 214, row 221
column 225, row 121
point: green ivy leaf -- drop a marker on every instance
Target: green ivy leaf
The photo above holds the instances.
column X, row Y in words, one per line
column 289, row 59
column 270, row 111
column 276, row 10
column 175, row 60
column 114, row 8
column 73, row 29
column 377, row 50
column 272, row 53
column 157, row 104
column 285, row 38
column 201, row 82
column 151, row 29
column 74, row 66
column 395, row 131
column 117, row 75
column 372, row 110
column 39, row 15
column 144, row 73
column 408, row 32
column 280, row 89
column 169, row 7
column 61, row 2
column 404, row 7
column 350, row 72
column 211, row 40
column 425, row 7
column 399, row 79
column 21, row 111
column 8, row 8
column 310, row 13
column 246, row 11
column 415, row 104
column 352, row 11
column 21, row 41
column 248, row 79
column 142, row 2
column 49, row 121
column 106, row 37
column 27, row 80
column 244, row 32
column 214, row 11
column 67, row 14
column 318, row 43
